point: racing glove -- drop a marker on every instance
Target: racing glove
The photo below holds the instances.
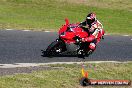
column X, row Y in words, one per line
column 88, row 39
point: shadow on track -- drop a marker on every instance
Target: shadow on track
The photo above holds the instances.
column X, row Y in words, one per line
column 59, row 55
column 65, row 54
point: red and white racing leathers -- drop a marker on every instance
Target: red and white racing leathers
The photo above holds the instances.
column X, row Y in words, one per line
column 96, row 32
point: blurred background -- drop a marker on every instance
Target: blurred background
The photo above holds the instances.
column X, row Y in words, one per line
column 115, row 15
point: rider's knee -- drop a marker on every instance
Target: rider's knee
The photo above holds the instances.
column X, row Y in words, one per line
column 92, row 46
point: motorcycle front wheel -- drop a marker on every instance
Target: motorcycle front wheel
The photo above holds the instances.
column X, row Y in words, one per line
column 55, row 48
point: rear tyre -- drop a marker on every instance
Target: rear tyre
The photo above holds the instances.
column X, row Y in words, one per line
column 80, row 53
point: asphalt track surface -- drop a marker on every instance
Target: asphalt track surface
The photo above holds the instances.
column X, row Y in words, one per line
column 25, row 47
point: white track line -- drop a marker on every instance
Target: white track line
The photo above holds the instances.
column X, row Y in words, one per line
column 9, row 29
column 46, row 31
column 38, row 64
column 26, row 30
column 125, row 35
column 106, row 34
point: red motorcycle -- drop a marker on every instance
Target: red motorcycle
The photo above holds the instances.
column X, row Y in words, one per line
column 69, row 40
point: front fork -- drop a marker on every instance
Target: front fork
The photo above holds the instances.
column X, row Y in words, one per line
column 62, row 46
column 82, row 51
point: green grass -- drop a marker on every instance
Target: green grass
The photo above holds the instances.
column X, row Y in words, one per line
column 69, row 76
column 49, row 14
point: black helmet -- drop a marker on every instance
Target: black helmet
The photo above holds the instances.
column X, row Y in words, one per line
column 90, row 18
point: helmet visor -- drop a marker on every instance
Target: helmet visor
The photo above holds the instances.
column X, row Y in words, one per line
column 90, row 21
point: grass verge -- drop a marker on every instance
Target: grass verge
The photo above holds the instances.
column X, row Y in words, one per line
column 49, row 14
column 68, row 76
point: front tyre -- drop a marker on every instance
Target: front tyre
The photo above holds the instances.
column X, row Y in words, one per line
column 55, row 48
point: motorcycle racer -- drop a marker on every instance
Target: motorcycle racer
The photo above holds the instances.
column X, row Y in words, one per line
column 74, row 37
column 95, row 30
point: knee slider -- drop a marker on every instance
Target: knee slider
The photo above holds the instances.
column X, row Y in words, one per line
column 92, row 46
